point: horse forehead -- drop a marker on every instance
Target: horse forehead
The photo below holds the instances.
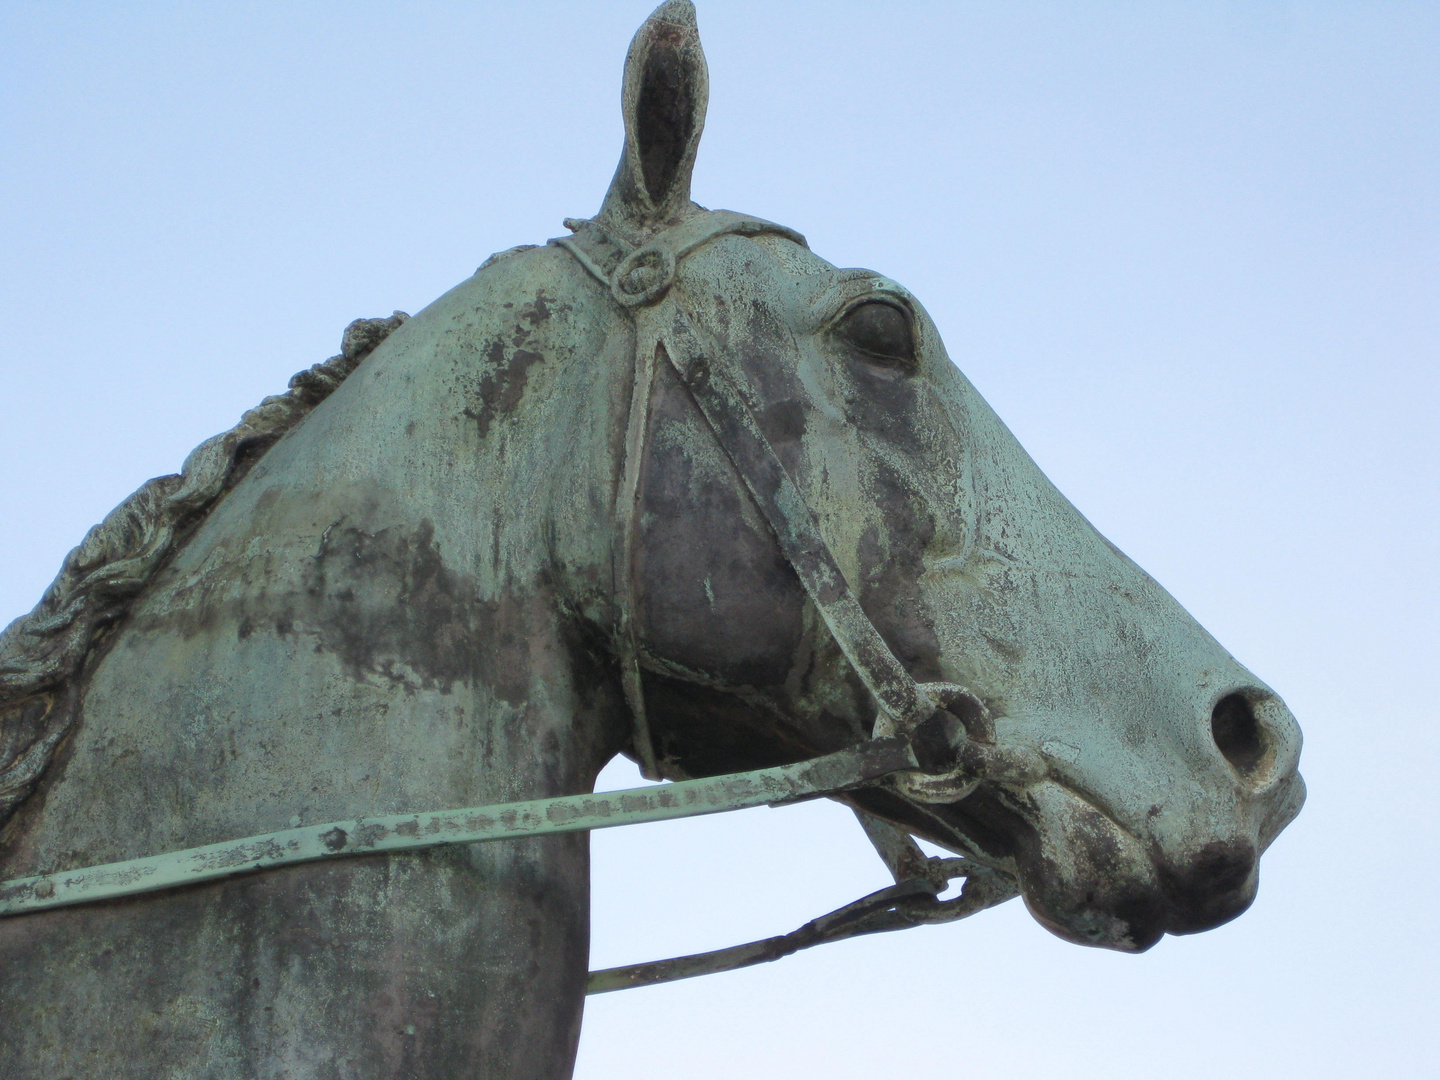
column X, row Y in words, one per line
column 769, row 271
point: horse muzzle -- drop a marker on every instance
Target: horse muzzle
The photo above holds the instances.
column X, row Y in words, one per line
column 1090, row 880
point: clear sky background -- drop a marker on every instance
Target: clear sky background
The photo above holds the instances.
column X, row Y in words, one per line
column 1190, row 253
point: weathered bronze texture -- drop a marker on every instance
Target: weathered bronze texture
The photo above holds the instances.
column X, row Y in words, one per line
column 830, row 774
column 673, row 486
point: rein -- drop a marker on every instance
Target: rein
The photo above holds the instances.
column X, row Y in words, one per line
column 830, row 774
column 935, row 729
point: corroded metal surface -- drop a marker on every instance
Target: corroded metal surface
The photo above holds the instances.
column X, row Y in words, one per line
column 628, row 494
column 833, row 773
column 911, row 901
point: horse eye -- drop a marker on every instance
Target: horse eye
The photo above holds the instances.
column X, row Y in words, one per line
column 880, row 331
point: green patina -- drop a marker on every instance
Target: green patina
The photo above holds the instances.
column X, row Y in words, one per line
column 672, row 486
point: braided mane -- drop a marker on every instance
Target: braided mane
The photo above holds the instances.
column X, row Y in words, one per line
column 42, row 653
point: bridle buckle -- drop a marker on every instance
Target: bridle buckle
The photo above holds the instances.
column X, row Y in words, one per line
column 644, row 276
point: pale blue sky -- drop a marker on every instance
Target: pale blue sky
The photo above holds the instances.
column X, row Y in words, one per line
column 1190, row 253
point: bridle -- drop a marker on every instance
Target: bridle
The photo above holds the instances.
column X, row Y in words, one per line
column 640, row 280
column 939, row 730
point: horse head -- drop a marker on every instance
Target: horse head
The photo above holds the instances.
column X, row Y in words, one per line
column 674, row 465
column 1146, row 769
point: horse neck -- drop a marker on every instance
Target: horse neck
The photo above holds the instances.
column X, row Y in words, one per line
column 400, row 608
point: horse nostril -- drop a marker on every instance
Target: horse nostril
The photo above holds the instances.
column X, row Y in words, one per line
column 1238, row 734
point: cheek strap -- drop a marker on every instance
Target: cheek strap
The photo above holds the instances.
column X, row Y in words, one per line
column 641, row 279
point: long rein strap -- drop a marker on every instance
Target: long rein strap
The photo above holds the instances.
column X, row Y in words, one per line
column 828, row 775
column 914, row 900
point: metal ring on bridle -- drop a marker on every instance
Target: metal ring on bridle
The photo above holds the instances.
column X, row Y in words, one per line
column 643, row 276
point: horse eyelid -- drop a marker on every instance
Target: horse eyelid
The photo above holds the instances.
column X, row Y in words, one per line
column 850, row 303
column 834, row 327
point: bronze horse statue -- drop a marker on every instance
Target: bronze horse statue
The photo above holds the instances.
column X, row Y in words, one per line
column 673, row 487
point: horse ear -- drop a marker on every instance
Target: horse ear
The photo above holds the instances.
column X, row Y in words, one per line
column 663, row 100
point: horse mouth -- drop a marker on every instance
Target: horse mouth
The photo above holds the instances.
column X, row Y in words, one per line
column 1077, row 875
column 1087, row 879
